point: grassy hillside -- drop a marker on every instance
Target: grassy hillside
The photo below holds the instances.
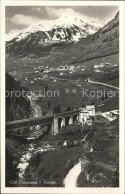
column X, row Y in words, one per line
column 100, row 168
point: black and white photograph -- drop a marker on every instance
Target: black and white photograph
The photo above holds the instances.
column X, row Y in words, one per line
column 63, row 116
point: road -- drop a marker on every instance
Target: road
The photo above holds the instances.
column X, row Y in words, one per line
column 107, row 85
column 72, row 176
column 63, row 79
column 99, row 83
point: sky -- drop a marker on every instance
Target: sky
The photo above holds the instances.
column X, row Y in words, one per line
column 20, row 17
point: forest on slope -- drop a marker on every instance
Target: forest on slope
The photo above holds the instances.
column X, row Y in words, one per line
column 16, row 108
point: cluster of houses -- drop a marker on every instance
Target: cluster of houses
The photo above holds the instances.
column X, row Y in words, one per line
column 105, row 65
column 66, row 67
column 60, row 68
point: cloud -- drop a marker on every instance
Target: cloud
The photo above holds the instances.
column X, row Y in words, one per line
column 12, row 33
column 36, row 9
column 26, row 20
column 58, row 12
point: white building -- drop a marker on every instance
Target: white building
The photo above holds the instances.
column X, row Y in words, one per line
column 91, row 109
column 101, row 65
column 71, row 67
column 86, row 112
column 83, row 115
column 96, row 66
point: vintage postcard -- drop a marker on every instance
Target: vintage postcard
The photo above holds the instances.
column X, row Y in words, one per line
column 62, row 97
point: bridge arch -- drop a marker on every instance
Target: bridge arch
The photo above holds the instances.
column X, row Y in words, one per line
column 60, row 122
column 75, row 117
column 68, row 120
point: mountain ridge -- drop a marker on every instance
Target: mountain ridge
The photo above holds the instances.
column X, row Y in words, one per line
column 64, row 21
column 102, row 43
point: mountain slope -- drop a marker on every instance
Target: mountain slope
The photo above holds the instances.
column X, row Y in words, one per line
column 104, row 42
column 40, row 37
column 101, row 44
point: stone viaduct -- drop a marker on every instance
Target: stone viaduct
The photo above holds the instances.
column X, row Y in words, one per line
column 54, row 122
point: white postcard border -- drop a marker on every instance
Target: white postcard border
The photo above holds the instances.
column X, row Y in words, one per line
column 58, row 190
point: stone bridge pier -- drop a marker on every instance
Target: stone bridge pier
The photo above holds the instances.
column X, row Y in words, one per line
column 62, row 120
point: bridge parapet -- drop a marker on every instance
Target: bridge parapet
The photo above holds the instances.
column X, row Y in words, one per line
column 29, row 122
column 52, row 121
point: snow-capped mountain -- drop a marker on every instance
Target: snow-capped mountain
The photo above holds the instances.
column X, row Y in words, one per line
column 41, row 37
column 67, row 27
column 104, row 42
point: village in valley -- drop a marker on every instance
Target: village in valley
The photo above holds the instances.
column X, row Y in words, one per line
column 71, row 68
